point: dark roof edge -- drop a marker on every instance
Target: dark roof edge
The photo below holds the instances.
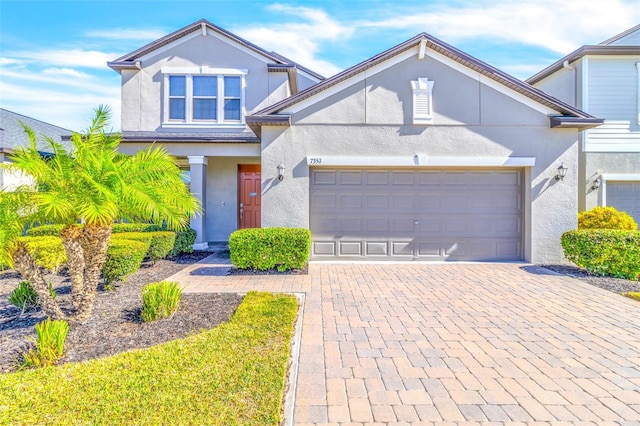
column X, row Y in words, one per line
column 579, row 53
column 124, row 65
column 196, row 26
column 255, row 122
column 443, row 48
column 300, row 67
column 619, row 36
column 574, row 122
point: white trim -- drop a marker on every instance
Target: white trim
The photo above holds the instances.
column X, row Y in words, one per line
column 422, row 101
column 423, row 47
column 200, row 246
column 198, row 159
column 614, row 177
column 638, row 91
column 419, row 160
column 203, row 71
column 205, row 125
column 584, row 90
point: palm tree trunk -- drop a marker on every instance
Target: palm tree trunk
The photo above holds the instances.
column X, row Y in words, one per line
column 24, row 263
column 94, row 240
column 71, row 236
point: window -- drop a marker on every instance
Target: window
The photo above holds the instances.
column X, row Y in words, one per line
column 422, row 101
column 203, row 97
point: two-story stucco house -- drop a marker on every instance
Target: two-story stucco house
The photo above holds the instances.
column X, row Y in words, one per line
column 421, row 152
column 12, row 136
column 604, row 80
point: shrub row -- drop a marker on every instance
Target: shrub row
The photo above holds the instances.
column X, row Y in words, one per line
column 183, row 240
column 267, row 248
column 604, row 251
column 124, row 257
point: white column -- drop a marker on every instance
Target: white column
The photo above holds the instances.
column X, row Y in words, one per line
column 198, row 187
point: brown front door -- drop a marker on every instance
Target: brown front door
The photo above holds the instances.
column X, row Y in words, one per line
column 249, row 192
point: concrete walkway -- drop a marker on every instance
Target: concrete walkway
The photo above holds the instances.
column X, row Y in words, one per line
column 392, row 344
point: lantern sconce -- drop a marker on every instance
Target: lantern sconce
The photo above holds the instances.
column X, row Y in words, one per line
column 281, row 170
column 596, row 184
column 562, row 172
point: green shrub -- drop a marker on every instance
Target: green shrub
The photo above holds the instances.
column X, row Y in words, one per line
column 44, row 230
column 160, row 300
column 604, row 251
column 24, row 296
column 117, row 228
column 48, row 251
column 635, row 295
column 184, row 242
column 266, row 248
column 606, row 218
column 160, row 243
column 143, row 237
column 124, row 258
column 50, row 337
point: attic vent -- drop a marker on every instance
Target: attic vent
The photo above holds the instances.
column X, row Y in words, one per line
column 422, row 102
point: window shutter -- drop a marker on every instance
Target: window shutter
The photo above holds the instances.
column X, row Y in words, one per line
column 422, row 101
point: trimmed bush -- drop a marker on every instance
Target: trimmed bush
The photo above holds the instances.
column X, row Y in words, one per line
column 160, row 243
column 45, row 230
column 124, row 258
column 606, row 218
column 50, row 337
column 160, row 300
column 24, row 296
column 117, row 228
column 267, row 248
column 48, row 252
column 184, row 242
column 143, row 237
column 604, row 251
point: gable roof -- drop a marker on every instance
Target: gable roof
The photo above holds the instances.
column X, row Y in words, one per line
column 619, row 36
column 12, row 134
column 570, row 116
column 604, row 48
column 131, row 60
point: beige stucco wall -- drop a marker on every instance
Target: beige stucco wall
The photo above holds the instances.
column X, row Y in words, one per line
column 372, row 118
column 142, row 91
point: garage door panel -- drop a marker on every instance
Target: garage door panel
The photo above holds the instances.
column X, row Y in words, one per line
column 460, row 215
column 625, row 196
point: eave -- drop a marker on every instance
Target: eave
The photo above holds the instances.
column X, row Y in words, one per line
column 565, row 122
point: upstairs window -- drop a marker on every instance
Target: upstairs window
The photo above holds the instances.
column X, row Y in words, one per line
column 203, row 97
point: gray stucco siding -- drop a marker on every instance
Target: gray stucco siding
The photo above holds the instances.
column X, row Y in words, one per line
column 596, row 164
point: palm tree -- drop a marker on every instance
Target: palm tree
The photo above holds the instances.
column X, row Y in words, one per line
column 86, row 189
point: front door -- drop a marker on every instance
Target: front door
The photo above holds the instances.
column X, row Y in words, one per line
column 249, row 192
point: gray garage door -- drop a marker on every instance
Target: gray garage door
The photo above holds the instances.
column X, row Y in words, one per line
column 625, row 196
column 416, row 214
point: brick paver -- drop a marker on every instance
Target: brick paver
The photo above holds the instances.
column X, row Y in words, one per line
column 406, row 343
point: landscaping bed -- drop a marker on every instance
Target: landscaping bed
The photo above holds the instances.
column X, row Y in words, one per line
column 615, row 285
column 115, row 324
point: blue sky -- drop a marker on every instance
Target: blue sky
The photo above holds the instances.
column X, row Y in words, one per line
column 53, row 53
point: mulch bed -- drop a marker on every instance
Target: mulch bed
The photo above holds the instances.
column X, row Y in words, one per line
column 615, row 285
column 115, row 324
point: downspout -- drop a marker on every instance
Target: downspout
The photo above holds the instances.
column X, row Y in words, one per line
column 574, row 82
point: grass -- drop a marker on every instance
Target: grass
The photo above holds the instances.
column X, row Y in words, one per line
column 232, row 374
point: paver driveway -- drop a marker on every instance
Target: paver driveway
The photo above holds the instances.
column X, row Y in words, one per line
column 422, row 343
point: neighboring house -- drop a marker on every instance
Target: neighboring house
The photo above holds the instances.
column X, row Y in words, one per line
column 12, row 135
column 604, row 80
column 190, row 91
column 421, row 152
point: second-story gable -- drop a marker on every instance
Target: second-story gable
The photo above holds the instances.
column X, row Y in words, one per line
column 202, row 79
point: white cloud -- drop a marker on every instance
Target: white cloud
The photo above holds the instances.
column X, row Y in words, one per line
column 558, row 26
column 64, row 57
column 128, row 34
column 300, row 41
column 66, row 72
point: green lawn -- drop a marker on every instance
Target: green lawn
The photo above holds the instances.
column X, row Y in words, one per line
column 232, row 374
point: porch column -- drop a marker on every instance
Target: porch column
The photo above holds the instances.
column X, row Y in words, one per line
column 198, row 187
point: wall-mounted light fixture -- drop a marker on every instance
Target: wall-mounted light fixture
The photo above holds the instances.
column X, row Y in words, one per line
column 281, row 169
column 562, row 172
column 596, row 184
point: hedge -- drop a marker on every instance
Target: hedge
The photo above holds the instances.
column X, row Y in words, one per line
column 124, row 258
column 47, row 251
column 267, row 248
column 117, row 228
column 606, row 218
column 604, row 251
column 44, row 230
column 184, row 242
